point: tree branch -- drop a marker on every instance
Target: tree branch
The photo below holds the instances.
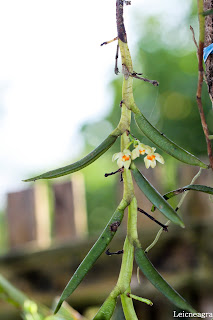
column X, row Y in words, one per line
column 200, row 81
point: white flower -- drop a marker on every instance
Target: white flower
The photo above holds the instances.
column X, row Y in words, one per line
column 150, row 159
column 124, row 158
column 140, row 149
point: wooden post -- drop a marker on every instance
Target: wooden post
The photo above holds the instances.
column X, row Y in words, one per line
column 70, row 216
column 64, row 223
column 42, row 214
column 21, row 217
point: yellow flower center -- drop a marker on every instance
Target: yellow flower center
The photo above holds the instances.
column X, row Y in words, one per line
column 151, row 157
column 125, row 158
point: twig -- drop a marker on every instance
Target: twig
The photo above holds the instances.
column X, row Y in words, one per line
column 165, row 228
column 178, row 206
column 186, row 192
column 193, row 36
column 114, row 172
column 156, row 238
column 153, row 82
column 107, row 42
column 108, row 253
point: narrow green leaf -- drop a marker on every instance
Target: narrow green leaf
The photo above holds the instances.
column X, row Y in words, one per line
column 207, row 13
column 164, row 143
column 106, row 310
column 94, row 253
column 159, row 282
column 16, row 296
column 91, row 157
column 155, row 197
column 194, row 187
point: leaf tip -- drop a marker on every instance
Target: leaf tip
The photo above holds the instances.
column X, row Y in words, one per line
column 58, row 306
column 29, row 180
column 182, row 225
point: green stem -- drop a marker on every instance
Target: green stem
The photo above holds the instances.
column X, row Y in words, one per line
column 128, row 307
column 147, row 301
column 132, row 233
column 201, row 21
column 125, row 275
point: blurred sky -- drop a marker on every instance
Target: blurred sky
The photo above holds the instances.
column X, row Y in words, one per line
column 54, row 76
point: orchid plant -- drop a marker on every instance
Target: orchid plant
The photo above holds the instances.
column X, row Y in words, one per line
column 132, row 148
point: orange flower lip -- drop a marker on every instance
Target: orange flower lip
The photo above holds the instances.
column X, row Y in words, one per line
column 142, row 151
column 125, row 158
column 151, row 157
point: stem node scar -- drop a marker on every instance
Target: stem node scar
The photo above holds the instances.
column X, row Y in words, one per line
column 121, row 103
column 116, row 60
column 125, row 72
column 114, row 226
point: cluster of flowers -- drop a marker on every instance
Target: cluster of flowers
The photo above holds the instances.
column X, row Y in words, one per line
column 124, row 158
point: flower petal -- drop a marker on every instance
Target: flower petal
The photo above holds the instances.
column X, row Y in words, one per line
column 116, row 156
column 135, row 153
column 147, row 162
column 127, row 152
column 159, row 158
column 148, row 149
column 126, row 164
column 152, row 163
column 120, row 163
column 153, row 149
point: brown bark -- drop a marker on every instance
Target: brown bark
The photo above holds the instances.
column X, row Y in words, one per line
column 120, row 21
column 208, row 4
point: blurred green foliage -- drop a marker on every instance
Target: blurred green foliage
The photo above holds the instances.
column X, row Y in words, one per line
column 165, row 53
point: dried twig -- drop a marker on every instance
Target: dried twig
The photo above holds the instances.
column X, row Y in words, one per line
column 193, row 36
column 107, row 42
column 165, row 228
column 108, row 253
column 114, row 172
column 136, row 75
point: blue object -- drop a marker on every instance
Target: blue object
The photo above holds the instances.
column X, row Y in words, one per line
column 207, row 51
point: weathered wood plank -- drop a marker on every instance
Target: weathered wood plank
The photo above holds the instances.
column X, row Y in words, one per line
column 64, row 227
column 21, row 217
